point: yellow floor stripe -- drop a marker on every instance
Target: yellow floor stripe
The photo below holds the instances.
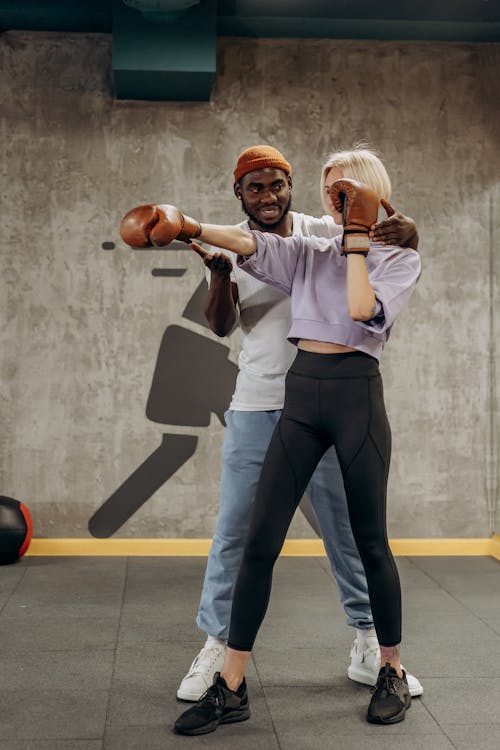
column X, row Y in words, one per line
column 291, row 548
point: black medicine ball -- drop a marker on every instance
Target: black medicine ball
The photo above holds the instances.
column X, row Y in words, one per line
column 16, row 529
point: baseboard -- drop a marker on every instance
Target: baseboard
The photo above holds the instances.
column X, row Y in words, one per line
column 291, row 548
column 495, row 546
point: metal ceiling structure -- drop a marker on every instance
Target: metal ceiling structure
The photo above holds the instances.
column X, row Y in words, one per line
column 166, row 49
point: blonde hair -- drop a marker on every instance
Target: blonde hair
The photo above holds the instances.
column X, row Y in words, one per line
column 362, row 164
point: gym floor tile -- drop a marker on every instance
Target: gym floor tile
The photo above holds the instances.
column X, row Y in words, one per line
column 339, row 711
column 466, row 700
column 476, row 737
column 93, row 650
column 54, row 695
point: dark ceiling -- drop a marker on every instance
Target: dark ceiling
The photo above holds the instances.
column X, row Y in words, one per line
column 165, row 49
column 470, row 20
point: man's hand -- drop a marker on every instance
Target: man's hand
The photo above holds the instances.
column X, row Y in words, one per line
column 220, row 307
column 397, row 229
column 217, row 262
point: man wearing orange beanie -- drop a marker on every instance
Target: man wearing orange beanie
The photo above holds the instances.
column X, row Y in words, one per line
column 263, row 184
column 260, row 157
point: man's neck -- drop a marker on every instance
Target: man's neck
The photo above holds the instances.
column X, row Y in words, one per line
column 284, row 228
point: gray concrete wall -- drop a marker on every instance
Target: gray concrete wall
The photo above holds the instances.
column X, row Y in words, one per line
column 81, row 327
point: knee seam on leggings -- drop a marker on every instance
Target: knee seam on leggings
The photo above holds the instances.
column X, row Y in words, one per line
column 375, row 445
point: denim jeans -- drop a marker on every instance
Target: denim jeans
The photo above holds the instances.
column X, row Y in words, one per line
column 246, row 440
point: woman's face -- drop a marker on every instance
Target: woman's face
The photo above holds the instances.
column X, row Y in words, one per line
column 335, row 173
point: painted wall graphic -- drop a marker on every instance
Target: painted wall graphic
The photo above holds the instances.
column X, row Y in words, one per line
column 193, row 377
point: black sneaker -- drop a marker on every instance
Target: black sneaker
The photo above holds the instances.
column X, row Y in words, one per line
column 219, row 705
column 391, row 697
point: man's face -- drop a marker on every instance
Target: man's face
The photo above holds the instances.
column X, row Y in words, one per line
column 265, row 196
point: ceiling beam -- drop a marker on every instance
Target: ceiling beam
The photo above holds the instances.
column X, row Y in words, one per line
column 173, row 60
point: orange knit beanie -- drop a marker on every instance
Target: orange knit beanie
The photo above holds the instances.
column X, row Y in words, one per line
column 259, row 157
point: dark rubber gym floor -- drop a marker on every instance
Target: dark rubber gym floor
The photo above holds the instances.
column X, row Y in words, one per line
column 92, row 650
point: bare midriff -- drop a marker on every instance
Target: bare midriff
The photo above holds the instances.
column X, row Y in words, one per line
column 323, row 347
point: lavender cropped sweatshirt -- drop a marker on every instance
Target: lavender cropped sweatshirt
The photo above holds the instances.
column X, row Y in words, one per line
column 312, row 271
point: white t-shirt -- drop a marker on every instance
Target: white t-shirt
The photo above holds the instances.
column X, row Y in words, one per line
column 265, row 319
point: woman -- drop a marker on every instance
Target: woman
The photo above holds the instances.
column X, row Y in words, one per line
column 345, row 297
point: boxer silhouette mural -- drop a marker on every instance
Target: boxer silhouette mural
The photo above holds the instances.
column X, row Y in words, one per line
column 180, row 394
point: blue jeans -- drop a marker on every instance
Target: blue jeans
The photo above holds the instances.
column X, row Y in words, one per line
column 246, row 440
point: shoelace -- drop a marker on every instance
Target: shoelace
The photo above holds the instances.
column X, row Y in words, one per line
column 214, row 694
column 357, row 649
column 206, row 656
column 388, row 681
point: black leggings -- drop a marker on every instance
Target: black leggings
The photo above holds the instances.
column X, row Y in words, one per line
column 330, row 399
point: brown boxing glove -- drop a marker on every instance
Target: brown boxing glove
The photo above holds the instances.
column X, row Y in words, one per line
column 190, row 229
column 135, row 227
column 358, row 205
column 172, row 225
column 157, row 225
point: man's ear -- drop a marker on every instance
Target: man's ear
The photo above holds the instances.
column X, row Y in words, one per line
column 289, row 182
column 237, row 190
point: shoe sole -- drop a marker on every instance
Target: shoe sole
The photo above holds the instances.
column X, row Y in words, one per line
column 232, row 719
column 366, row 679
column 189, row 697
column 393, row 719
column 416, row 692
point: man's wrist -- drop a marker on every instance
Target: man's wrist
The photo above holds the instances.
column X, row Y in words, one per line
column 220, row 277
column 413, row 241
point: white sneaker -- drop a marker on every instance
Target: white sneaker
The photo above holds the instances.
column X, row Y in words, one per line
column 414, row 685
column 201, row 673
column 365, row 666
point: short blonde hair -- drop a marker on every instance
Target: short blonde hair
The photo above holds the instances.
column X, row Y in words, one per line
column 362, row 164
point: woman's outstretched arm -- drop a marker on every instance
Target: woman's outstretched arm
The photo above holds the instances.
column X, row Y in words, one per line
column 157, row 225
column 229, row 238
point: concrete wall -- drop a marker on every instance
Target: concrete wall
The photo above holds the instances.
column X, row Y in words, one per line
column 81, row 327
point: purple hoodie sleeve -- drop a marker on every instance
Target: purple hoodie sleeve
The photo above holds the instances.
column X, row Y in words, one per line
column 393, row 281
column 275, row 259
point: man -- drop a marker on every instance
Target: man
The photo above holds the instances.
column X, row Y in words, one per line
column 263, row 184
